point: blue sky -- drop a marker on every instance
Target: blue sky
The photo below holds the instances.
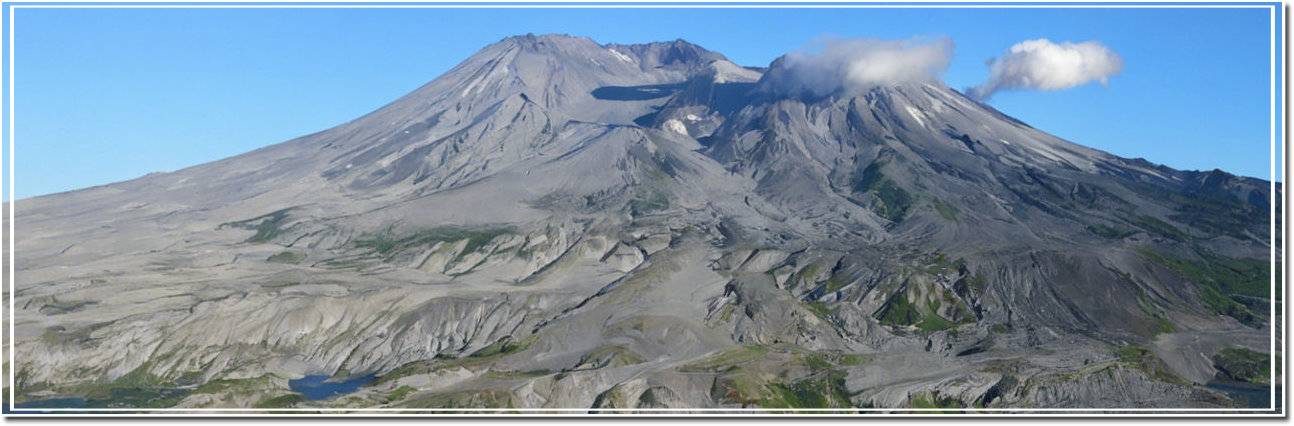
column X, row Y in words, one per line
column 104, row 95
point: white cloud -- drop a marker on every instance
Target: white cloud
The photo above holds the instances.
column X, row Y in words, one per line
column 837, row 64
column 1043, row 65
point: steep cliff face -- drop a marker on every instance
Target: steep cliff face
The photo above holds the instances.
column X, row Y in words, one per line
column 560, row 224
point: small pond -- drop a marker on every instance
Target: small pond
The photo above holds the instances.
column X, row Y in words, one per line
column 320, row 386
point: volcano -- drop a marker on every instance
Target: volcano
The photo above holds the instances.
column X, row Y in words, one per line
column 555, row 223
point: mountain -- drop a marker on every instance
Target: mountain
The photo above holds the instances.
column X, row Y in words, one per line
column 555, row 223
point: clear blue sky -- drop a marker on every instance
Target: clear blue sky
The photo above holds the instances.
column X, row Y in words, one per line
column 104, row 95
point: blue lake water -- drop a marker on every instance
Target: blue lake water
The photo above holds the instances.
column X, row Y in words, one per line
column 317, row 386
column 1248, row 394
column 30, row 407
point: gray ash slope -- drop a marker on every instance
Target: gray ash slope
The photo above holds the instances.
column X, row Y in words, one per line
column 555, row 223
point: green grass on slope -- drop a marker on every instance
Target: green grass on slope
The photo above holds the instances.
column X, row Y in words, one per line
column 894, row 200
column 947, row 211
column 1145, row 360
column 282, row 401
column 820, row 391
column 789, row 378
column 1113, row 232
column 1158, row 227
column 290, row 257
column 1221, row 280
column 476, row 238
column 900, row 312
column 931, row 401
column 266, row 226
column 1244, row 365
column 1162, row 323
column 480, row 359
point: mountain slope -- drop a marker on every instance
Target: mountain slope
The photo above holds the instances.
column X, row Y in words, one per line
column 557, row 223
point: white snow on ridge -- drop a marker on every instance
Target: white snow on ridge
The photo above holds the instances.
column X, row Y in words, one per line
column 1148, row 171
column 916, row 115
column 621, row 56
column 675, row 126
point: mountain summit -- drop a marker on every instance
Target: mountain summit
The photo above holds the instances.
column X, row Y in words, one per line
column 555, row 223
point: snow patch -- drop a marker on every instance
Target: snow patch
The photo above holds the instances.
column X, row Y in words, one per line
column 675, row 126
column 1005, row 141
column 1151, row 172
column 916, row 115
column 621, row 56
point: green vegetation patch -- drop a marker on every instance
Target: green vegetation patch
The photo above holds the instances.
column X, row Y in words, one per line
column 136, row 389
column 1145, row 360
column 652, row 201
column 1244, row 365
column 282, row 401
column 894, row 201
column 465, row 399
column 610, row 356
column 1211, row 213
column 648, row 398
column 899, row 311
column 818, row 391
column 1222, row 280
column 726, row 358
column 827, row 360
column 834, row 284
column 820, row 309
column 927, row 400
column 502, row 347
column 400, row 393
column 1162, row 323
column 386, row 244
column 807, row 275
column 136, row 398
column 854, row 359
column 1157, row 227
column 511, row 374
column 477, row 360
column 236, row 385
column 930, row 323
column 766, row 385
column 287, row 256
column 1113, row 232
column 947, row 211
column 939, row 264
column 267, row 226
